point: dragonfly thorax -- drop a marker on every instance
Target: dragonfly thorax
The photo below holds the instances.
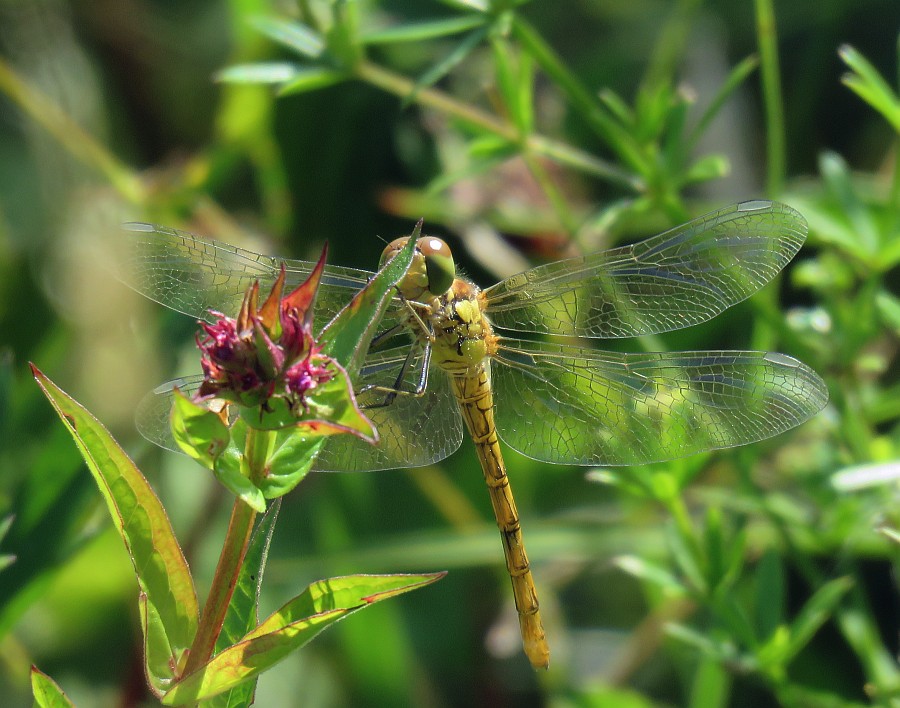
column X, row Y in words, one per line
column 432, row 271
column 460, row 334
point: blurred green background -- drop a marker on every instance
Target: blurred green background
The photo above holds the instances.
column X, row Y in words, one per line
column 109, row 113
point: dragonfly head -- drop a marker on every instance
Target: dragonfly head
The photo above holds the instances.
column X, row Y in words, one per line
column 432, row 271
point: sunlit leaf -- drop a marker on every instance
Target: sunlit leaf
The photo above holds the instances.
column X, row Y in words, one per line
column 6, row 560
column 260, row 73
column 650, row 572
column 230, row 469
column 200, row 433
column 293, row 35
column 46, row 692
column 290, row 462
column 311, row 78
column 162, row 572
column 477, row 5
column 869, row 85
column 346, row 339
column 708, row 167
column 817, row 610
column 322, row 604
column 419, row 31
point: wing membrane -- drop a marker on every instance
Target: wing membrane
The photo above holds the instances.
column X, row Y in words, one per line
column 571, row 405
column 192, row 275
column 679, row 278
column 413, row 431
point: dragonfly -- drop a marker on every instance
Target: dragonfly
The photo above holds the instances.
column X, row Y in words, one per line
column 455, row 363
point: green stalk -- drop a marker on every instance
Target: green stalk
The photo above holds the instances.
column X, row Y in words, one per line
column 234, row 549
column 43, row 111
column 561, row 152
column 554, row 196
column 771, row 86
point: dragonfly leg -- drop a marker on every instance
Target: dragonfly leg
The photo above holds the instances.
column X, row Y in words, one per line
column 397, row 389
column 415, row 318
column 385, row 335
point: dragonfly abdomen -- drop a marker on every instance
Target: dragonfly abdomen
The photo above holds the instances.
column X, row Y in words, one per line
column 476, row 403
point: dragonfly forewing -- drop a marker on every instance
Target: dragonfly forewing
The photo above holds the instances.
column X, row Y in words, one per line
column 676, row 279
column 193, row 276
column 570, row 405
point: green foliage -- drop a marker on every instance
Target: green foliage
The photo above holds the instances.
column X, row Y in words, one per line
column 179, row 643
column 47, row 694
column 763, row 576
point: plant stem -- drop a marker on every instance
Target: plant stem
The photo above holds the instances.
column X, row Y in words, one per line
column 771, row 86
column 234, row 549
column 571, row 156
column 43, row 111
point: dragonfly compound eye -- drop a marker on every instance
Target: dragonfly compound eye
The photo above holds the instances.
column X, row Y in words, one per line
column 439, row 264
column 391, row 250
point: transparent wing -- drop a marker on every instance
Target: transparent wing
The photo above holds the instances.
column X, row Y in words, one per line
column 677, row 279
column 192, row 275
column 152, row 414
column 413, row 431
column 565, row 404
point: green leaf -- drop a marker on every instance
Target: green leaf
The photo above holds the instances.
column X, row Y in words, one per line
column 290, row 462
column 449, row 62
column 686, row 560
column 711, row 687
column 617, row 105
column 200, row 433
column 706, row 646
column 888, row 306
column 514, row 78
column 346, row 339
column 640, row 568
column 837, row 178
column 815, row 613
column 46, row 692
column 476, row 5
column 259, row 73
column 312, row 78
column 869, row 85
column 242, row 615
column 230, row 469
column 419, row 31
column 735, row 78
column 705, row 169
column 8, row 559
column 163, row 576
column 293, row 35
column 583, row 100
column 322, row 604
column 769, row 594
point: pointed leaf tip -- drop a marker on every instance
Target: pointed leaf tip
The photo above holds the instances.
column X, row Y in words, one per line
column 268, row 313
column 303, row 296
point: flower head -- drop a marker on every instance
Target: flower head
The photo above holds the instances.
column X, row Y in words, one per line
column 267, row 353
